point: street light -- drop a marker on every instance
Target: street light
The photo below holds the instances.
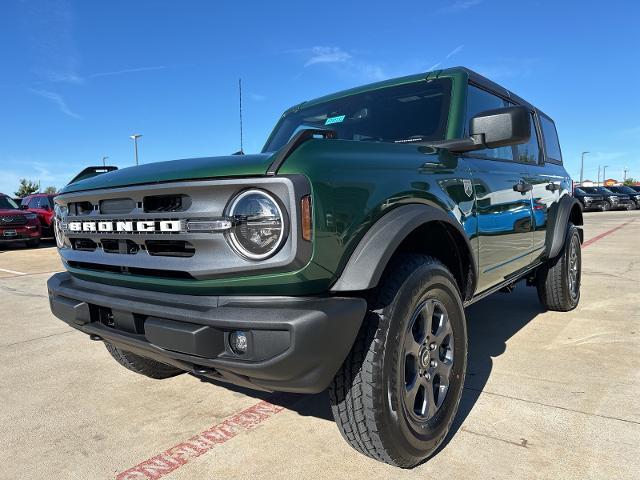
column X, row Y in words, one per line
column 104, row 163
column 582, row 166
column 135, row 138
column 604, row 175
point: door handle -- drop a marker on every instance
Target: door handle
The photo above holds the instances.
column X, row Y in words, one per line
column 552, row 187
column 523, row 187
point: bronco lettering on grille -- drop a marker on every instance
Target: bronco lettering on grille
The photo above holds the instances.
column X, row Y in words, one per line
column 124, row 226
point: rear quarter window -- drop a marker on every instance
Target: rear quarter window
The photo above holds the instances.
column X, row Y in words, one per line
column 551, row 142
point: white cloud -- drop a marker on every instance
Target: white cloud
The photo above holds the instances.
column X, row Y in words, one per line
column 455, row 51
column 504, row 68
column 459, row 6
column 343, row 62
column 57, row 100
column 13, row 170
column 327, row 55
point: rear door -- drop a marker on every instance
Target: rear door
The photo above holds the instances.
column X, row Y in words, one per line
column 547, row 175
column 503, row 205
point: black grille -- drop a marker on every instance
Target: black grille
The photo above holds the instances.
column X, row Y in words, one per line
column 127, row 247
column 166, row 203
column 170, row 248
column 147, row 272
column 80, row 208
column 117, row 206
column 83, row 244
column 11, row 220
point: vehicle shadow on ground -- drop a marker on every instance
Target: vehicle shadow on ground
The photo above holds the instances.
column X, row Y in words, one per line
column 491, row 322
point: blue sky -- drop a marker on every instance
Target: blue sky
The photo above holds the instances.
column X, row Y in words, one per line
column 78, row 77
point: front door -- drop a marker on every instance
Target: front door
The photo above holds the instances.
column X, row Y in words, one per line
column 503, row 202
column 505, row 220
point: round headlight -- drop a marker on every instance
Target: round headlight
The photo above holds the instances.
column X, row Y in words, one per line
column 259, row 228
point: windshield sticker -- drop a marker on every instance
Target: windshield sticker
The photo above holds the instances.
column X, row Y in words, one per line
column 338, row 119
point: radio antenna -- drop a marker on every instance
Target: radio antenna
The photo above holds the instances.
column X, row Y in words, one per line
column 241, row 152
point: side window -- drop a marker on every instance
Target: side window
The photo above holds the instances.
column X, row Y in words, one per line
column 551, row 143
column 36, row 203
column 478, row 101
column 529, row 152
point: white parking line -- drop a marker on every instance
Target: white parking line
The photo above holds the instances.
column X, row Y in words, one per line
column 11, row 271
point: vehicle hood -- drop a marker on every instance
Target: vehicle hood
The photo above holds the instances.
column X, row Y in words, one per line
column 175, row 170
column 9, row 212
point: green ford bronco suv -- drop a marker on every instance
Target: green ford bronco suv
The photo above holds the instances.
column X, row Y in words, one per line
column 340, row 257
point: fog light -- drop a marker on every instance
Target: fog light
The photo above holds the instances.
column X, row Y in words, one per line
column 238, row 342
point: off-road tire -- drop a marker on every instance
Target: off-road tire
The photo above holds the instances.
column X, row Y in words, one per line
column 365, row 394
column 143, row 366
column 605, row 207
column 552, row 279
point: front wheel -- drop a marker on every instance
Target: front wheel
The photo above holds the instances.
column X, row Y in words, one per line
column 558, row 281
column 398, row 391
column 604, row 207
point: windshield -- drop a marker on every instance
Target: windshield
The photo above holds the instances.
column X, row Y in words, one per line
column 623, row 189
column 8, row 203
column 412, row 112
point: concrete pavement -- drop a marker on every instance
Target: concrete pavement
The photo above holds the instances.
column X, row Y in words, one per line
column 548, row 395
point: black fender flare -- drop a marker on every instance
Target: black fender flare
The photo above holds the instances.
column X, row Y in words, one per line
column 372, row 254
column 557, row 221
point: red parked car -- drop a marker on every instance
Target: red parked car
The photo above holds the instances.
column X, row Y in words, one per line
column 42, row 205
column 17, row 225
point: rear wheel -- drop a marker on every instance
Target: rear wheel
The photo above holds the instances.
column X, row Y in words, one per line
column 558, row 281
column 398, row 391
column 143, row 366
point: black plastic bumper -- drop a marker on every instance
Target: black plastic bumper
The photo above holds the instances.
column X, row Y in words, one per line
column 295, row 344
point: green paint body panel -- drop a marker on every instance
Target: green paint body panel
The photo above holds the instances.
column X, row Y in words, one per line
column 187, row 169
column 353, row 185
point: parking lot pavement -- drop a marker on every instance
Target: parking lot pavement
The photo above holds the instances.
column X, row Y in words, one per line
column 548, row 395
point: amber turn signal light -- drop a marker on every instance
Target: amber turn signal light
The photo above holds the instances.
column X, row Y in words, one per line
column 307, row 222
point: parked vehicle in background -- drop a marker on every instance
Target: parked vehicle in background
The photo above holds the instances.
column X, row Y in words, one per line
column 613, row 201
column 624, row 190
column 17, row 225
column 42, row 205
column 590, row 201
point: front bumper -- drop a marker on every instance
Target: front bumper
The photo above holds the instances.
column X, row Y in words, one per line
column 624, row 204
column 593, row 205
column 295, row 344
column 19, row 233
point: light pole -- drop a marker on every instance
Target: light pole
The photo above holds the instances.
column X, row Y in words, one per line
column 104, row 163
column 598, row 182
column 135, row 138
column 604, row 175
column 582, row 167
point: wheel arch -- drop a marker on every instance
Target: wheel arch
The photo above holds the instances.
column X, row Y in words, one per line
column 568, row 209
column 415, row 228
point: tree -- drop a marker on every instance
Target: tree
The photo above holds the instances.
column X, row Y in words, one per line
column 51, row 190
column 630, row 181
column 27, row 187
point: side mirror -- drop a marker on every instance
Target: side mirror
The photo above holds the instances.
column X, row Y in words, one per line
column 502, row 127
column 493, row 128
